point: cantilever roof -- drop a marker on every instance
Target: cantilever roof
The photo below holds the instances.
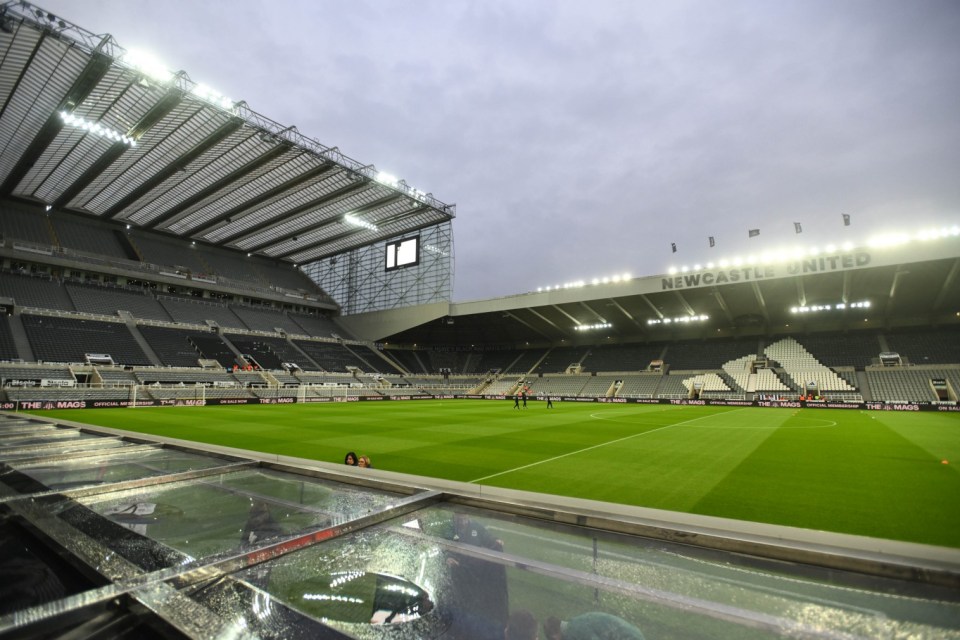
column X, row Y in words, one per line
column 200, row 169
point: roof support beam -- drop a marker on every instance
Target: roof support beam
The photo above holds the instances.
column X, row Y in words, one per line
column 92, row 73
column 223, row 131
column 234, row 176
column 723, row 305
column 302, row 231
column 947, row 285
column 266, row 196
column 570, row 317
column 596, row 315
column 686, row 305
column 525, row 323
column 761, row 302
column 286, row 216
column 652, row 306
column 617, row 305
column 160, row 110
column 900, row 272
column 547, row 320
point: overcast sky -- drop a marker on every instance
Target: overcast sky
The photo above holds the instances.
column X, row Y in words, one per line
column 580, row 139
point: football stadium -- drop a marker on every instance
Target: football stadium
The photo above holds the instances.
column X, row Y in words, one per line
column 206, row 313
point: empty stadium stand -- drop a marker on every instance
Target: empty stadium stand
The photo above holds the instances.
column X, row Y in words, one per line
column 93, row 298
column 38, row 291
column 62, row 339
column 200, row 311
column 8, row 350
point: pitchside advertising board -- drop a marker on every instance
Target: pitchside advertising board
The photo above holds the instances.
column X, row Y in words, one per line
column 42, row 405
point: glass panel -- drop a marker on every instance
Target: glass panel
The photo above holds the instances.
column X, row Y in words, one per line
column 85, row 472
column 453, row 572
column 75, row 446
column 230, row 512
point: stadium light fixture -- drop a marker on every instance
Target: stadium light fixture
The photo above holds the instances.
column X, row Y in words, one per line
column 216, row 98
column 357, row 222
column 593, row 327
column 147, row 64
column 387, row 179
column 840, row 306
column 96, row 128
column 679, row 320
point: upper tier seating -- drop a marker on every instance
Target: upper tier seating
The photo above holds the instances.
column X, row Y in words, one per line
column 19, row 222
column 317, row 326
column 265, row 319
column 91, row 298
column 38, row 292
column 198, row 311
column 169, row 252
column 55, row 339
column 87, row 236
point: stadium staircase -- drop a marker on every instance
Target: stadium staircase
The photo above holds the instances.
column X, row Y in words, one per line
column 302, row 353
column 20, row 341
column 786, row 379
column 864, row 386
column 148, row 351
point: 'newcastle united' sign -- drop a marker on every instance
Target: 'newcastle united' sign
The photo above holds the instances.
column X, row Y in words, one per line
column 820, row 264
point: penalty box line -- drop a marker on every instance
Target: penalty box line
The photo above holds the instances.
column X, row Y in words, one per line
column 596, row 446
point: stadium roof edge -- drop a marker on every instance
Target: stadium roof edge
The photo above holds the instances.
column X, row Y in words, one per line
column 218, row 169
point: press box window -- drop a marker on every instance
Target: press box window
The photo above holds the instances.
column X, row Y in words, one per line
column 403, row 253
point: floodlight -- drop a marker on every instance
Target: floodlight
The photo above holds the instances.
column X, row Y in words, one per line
column 847, row 246
column 387, row 179
column 724, row 263
column 357, row 222
column 684, row 269
column 626, row 277
column 697, row 267
column 147, row 64
column 595, row 281
column 709, row 265
column 831, row 248
column 672, row 270
column 737, row 261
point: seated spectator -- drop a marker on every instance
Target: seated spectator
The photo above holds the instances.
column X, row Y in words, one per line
column 350, row 459
column 365, row 462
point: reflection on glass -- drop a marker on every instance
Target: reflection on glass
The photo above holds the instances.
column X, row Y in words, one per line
column 358, row 596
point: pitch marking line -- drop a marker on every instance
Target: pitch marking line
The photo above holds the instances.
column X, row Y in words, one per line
column 596, row 446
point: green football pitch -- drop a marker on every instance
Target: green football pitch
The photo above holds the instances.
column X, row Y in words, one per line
column 881, row 474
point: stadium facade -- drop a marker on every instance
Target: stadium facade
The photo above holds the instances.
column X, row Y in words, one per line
column 163, row 245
